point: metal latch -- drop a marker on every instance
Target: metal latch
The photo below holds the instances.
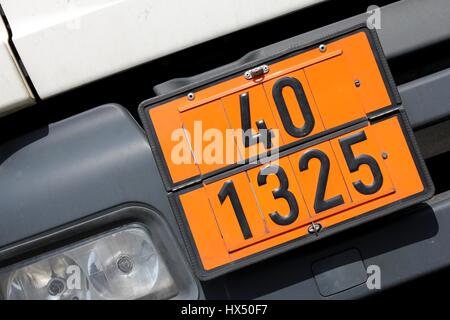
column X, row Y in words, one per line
column 315, row 228
column 256, row 72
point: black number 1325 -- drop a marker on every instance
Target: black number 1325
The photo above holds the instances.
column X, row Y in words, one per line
column 228, row 190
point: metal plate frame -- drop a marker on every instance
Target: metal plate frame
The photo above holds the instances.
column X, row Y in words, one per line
column 394, row 109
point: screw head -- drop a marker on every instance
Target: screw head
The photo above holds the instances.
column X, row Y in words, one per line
column 56, row 286
column 191, row 96
column 125, row 264
column 384, row 155
column 322, row 48
column 357, row 83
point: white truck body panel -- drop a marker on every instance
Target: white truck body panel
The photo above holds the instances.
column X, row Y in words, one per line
column 14, row 92
column 66, row 44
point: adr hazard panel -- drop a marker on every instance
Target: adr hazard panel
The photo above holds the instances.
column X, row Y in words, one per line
column 288, row 151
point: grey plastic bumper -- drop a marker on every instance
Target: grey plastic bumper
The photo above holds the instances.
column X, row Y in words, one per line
column 75, row 168
column 101, row 158
column 427, row 100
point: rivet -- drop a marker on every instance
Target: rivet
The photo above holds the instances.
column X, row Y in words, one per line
column 322, row 48
column 191, row 96
column 314, row 228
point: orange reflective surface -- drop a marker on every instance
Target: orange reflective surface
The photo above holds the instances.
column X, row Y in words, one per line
column 222, row 242
column 327, row 78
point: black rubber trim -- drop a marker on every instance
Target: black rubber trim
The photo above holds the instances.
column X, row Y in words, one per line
column 20, row 64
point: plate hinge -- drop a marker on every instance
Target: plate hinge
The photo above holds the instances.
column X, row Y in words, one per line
column 315, row 228
column 383, row 113
column 256, row 72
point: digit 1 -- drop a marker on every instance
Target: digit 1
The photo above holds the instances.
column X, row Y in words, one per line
column 229, row 191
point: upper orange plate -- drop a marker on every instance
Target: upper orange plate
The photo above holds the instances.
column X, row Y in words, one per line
column 299, row 98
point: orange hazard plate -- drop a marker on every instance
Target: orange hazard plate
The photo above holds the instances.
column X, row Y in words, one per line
column 298, row 147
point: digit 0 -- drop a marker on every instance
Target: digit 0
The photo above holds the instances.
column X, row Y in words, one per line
column 250, row 139
column 296, row 86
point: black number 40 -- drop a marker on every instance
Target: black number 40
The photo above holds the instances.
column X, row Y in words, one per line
column 288, row 124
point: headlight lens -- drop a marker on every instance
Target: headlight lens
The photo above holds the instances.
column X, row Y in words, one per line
column 46, row 280
column 122, row 264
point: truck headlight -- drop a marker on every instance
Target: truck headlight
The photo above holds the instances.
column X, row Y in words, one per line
column 121, row 264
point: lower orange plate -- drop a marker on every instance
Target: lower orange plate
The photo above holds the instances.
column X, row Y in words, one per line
column 305, row 193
